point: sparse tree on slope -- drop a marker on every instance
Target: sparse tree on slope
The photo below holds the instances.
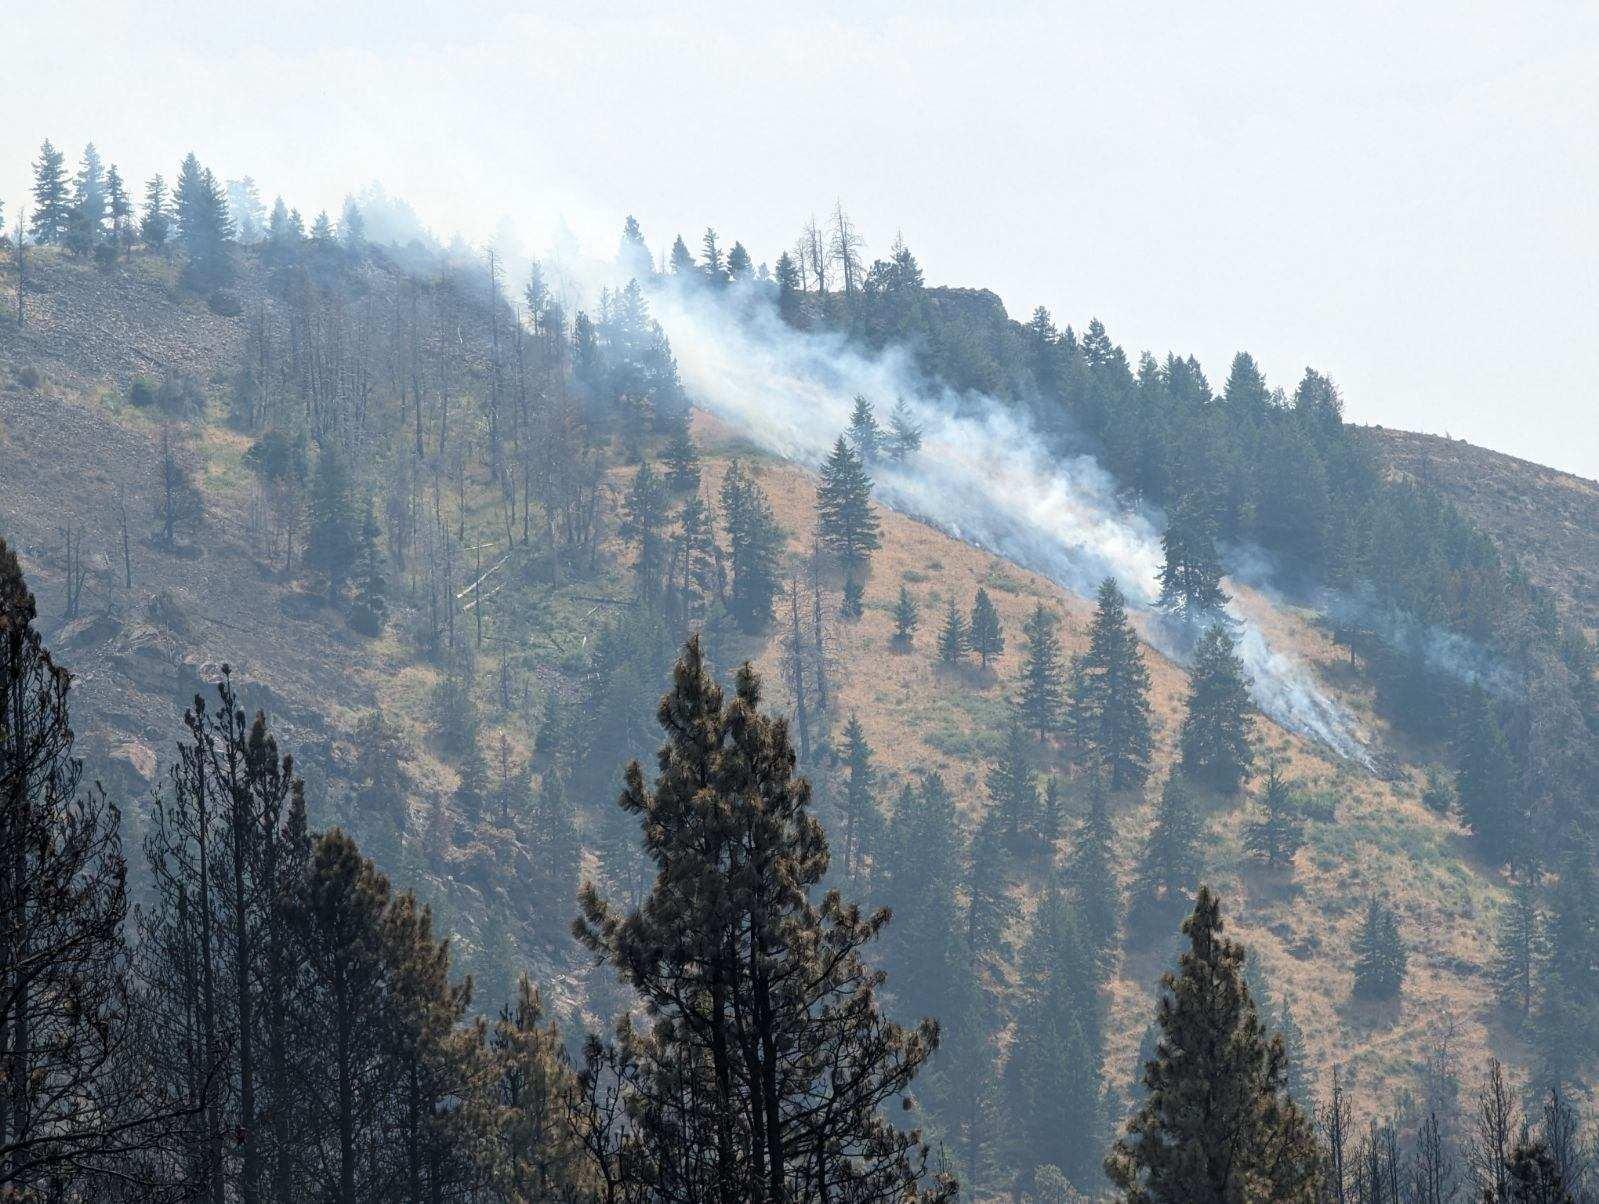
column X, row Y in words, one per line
column 1217, row 1125
column 1043, row 679
column 986, row 635
column 1215, row 738
column 849, row 528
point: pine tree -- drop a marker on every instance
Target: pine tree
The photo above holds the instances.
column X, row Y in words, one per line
column 1190, row 578
column 682, row 262
column 1217, row 1124
column 557, row 850
column 1172, row 861
column 990, row 910
column 858, row 804
column 1052, row 1077
column 921, row 873
column 682, row 459
column 906, row 617
column 1091, row 871
column 1566, row 1028
column 1109, row 716
column 1013, row 787
column 119, row 208
column 371, row 607
column 738, row 263
column 1518, row 949
column 953, row 638
column 352, row 227
column 757, row 997
column 86, row 225
column 1486, row 774
column 332, row 540
column 865, row 436
column 756, row 544
column 644, row 527
column 788, row 289
column 853, row 603
column 52, row 206
column 1274, row 837
column 155, row 226
column 1379, row 954
column 904, row 433
column 1042, row 678
column 203, row 225
column 985, row 634
column 471, row 795
column 381, row 785
column 844, row 514
column 1215, row 737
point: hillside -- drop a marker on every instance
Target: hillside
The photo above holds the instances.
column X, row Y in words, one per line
column 1547, row 518
column 73, row 445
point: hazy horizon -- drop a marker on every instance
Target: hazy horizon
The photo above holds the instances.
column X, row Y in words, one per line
column 1404, row 201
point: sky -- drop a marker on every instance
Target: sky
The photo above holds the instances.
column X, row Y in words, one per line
column 1405, row 197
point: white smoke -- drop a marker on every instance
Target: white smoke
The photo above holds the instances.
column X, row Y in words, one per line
column 982, row 473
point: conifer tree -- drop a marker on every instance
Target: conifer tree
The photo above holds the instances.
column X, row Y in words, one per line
column 1043, row 679
column 1217, row 1124
column 738, row 263
column 1172, row 861
column 52, row 204
column 86, row 225
column 1566, row 1028
column 1518, row 949
column 953, row 638
column 1215, row 738
column 904, row 433
column 1052, row 820
column 844, row 514
column 1052, row 1077
column 986, row 636
column 711, row 262
column 119, row 208
column 203, row 226
column 756, row 544
column 682, row 262
column 381, row 786
column 922, row 873
column 788, row 289
column 757, row 997
column 1190, row 578
column 853, row 603
column 557, row 849
column 155, row 225
column 371, row 607
column 1091, row 871
column 644, row 527
column 1379, row 954
column 1486, row 774
column 865, row 435
column 332, row 540
column 906, row 617
column 1013, row 788
column 990, row 910
column 859, row 807
column 1276, row 835
column 472, row 790
column 682, row 459
column 1109, row 715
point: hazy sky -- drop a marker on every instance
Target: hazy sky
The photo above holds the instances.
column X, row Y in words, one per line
column 1403, row 196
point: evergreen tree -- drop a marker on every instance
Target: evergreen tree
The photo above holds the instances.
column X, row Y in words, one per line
column 1274, row 837
column 1052, row 1077
column 985, row 635
column 332, row 540
column 865, row 436
column 1042, row 678
column 1379, row 954
column 1091, row 870
column 1012, row 786
column 904, row 433
column 922, row 871
column 1486, row 774
column 1566, row 1029
column 352, row 227
column 1109, row 715
column 381, row 786
column 682, row 262
column 906, row 617
column 86, row 225
column 471, row 795
column 119, row 208
column 844, row 514
column 1172, row 861
column 1215, row 738
column 371, row 607
column 203, row 225
column 859, row 806
column 788, row 289
column 1217, row 1124
column 682, row 459
column 52, row 204
column 1190, row 578
column 1518, row 949
column 853, row 603
column 155, row 226
column 990, row 910
column 738, row 263
column 953, row 638
column 757, row 998
column 557, row 850
column 644, row 527
column 756, row 544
